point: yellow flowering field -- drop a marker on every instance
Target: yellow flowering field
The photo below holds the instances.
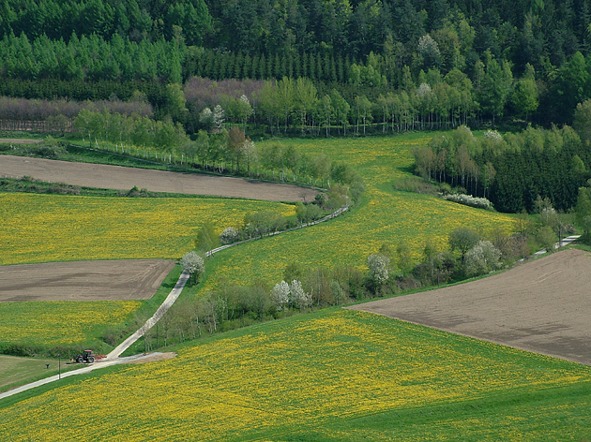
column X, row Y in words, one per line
column 336, row 375
column 385, row 216
column 42, row 228
column 60, row 322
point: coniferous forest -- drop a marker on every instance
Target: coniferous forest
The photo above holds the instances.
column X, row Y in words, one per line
column 493, row 59
column 315, row 67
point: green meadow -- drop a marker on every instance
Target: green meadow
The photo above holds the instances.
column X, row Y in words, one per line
column 43, row 228
column 334, row 375
column 384, row 216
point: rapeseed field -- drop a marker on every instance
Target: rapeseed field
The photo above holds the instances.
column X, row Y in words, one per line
column 335, row 375
column 385, row 216
column 43, row 228
column 55, row 323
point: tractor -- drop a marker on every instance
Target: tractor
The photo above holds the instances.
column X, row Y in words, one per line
column 86, row 356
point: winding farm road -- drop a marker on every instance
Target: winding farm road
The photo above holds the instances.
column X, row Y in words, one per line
column 124, row 178
column 113, row 358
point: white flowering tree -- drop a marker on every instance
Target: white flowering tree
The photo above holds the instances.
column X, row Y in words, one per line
column 229, row 235
column 244, row 110
column 298, row 297
column 280, row 295
column 219, row 116
column 483, row 258
column 378, row 265
column 429, row 50
column 193, row 264
column 206, row 118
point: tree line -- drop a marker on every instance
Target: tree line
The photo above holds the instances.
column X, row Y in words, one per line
column 38, row 110
column 511, row 170
column 219, row 150
column 530, row 64
column 389, row 270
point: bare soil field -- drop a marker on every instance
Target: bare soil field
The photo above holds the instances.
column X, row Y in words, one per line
column 83, row 280
column 124, row 178
column 542, row 306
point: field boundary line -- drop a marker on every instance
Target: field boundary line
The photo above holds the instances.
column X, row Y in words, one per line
column 328, row 217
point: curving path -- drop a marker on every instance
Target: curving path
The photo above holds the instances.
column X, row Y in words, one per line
column 113, row 357
column 124, row 178
column 168, row 302
column 83, row 370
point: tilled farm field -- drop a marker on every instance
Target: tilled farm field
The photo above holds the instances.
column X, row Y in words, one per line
column 83, row 280
column 124, row 178
column 542, row 306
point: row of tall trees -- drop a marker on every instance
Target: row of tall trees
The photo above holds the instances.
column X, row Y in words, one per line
column 436, row 102
column 136, row 19
column 513, row 170
column 91, row 58
column 221, row 65
column 221, row 150
column 164, row 138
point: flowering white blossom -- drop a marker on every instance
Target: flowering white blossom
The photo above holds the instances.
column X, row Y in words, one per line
column 493, row 135
column 193, row 264
column 469, row 200
column 280, row 295
column 219, row 116
column 298, row 297
column 229, row 235
column 378, row 266
column 483, row 258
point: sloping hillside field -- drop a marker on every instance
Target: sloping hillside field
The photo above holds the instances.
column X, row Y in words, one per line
column 334, row 375
column 41, row 228
column 385, row 216
column 543, row 306
column 124, row 178
column 83, row 280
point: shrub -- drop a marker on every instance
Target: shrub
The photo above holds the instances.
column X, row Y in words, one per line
column 469, row 200
column 415, row 185
column 229, row 235
column 482, row 258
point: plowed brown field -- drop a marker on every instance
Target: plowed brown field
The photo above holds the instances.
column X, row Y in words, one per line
column 542, row 306
column 124, row 178
column 83, row 280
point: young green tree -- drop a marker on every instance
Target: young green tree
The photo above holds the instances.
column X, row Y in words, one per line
column 207, row 239
column 378, row 265
column 583, row 212
column 582, row 121
column 462, row 240
column 525, row 95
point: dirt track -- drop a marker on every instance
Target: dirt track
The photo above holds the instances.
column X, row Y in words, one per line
column 124, row 178
column 83, row 280
column 542, row 306
column 19, row 141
